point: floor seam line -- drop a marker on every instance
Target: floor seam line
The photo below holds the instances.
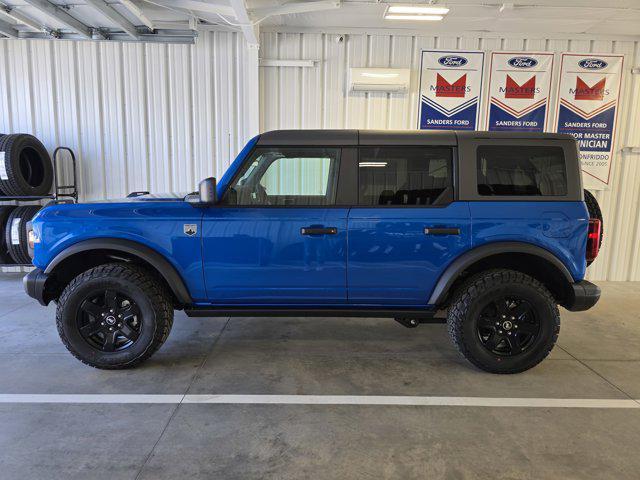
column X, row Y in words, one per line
column 599, row 375
column 175, row 410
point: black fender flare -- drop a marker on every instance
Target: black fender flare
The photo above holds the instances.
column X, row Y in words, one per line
column 147, row 254
column 464, row 261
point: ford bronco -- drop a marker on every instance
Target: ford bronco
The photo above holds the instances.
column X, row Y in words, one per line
column 489, row 232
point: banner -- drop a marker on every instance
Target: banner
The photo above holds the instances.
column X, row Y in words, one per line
column 519, row 90
column 587, row 106
column 450, row 89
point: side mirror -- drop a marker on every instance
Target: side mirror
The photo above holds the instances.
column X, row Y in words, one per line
column 207, row 191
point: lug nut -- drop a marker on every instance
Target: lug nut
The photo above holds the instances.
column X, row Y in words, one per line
column 103, row 314
column 101, row 323
column 111, row 329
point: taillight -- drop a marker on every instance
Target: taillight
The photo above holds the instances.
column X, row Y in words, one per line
column 593, row 239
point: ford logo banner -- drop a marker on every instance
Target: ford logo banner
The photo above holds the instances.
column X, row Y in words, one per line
column 592, row 64
column 522, row 62
column 452, row 61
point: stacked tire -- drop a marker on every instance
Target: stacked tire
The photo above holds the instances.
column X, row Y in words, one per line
column 25, row 171
column 14, row 246
column 25, row 166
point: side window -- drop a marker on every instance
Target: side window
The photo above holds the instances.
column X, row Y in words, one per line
column 287, row 176
column 404, row 175
column 521, row 170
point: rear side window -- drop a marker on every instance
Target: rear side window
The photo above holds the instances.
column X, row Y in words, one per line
column 521, row 171
column 403, row 175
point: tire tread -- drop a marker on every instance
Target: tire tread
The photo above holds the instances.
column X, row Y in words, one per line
column 156, row 292
column 472, row 289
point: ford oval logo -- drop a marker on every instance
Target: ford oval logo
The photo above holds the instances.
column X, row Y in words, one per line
column 592, row 64
column 452, row 61
column 522, row 62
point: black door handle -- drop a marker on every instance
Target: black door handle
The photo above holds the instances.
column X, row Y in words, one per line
column 318, row 231
column 442, row 231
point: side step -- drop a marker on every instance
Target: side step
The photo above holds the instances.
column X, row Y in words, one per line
column 425, row 316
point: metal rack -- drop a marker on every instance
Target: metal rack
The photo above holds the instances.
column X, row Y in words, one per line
column 61, row 194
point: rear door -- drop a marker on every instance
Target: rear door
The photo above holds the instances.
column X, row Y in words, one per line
column 406, row 227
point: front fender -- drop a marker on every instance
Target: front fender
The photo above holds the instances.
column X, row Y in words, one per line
column 148, row 255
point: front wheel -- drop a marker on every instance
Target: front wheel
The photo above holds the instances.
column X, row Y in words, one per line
column 114, row 316
column 504, row 321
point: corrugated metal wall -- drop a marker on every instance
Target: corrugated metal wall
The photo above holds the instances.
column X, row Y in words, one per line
column 139, row 116
column 318, row 97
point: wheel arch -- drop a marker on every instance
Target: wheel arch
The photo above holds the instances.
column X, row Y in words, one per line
column 87, row 254
column 524, row 257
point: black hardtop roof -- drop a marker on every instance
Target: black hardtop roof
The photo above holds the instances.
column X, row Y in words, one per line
column 390, row 137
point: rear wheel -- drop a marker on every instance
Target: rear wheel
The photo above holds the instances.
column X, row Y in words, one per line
column 114, row 316
column 504, row 321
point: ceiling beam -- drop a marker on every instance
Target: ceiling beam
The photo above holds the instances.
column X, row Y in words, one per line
column 250, row 30
column 7, row 29
column 296, row 7
column 137, row 12
column 196, row 6
column 115, row 17
column 13, row 13
column 59, row 14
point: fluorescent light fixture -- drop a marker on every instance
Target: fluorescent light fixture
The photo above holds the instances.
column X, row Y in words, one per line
column 427, row 18
column 373, row 164
column 423, row 9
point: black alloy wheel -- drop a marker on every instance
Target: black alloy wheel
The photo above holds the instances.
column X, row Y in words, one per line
column 115, row 315
column 109, row 321
column 508, row 326
column 503, row 321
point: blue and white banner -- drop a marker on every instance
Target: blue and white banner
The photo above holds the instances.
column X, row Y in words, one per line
column 450, row 89
column 587, row 107
column 519, row 90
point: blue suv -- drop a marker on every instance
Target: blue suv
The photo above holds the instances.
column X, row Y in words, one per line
column 489, row 232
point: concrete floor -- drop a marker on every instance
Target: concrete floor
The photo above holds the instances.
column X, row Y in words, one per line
column 598, row 356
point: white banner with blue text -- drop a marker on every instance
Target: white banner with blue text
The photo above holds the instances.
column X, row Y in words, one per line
column 587, row 109
column 450, row 90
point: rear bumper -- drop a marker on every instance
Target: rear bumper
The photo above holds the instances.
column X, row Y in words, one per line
column 34, row 283
column 583, row 296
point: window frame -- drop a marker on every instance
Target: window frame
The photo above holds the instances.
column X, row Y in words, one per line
column 447, row 197
column 468, row 178
column 345, row 157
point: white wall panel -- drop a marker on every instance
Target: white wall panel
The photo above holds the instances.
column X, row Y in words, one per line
column 139, row 116
column 296, row 97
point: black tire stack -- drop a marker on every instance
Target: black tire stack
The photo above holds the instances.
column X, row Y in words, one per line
column 25, row 171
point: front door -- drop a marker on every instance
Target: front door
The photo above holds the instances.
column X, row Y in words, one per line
column 406, row 228
column 277, row 237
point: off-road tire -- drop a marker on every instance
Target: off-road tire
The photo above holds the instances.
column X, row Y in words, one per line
column 594, row 212
column 151, row 296
column 467, row 303
column 19, row 252
column 27, row 164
